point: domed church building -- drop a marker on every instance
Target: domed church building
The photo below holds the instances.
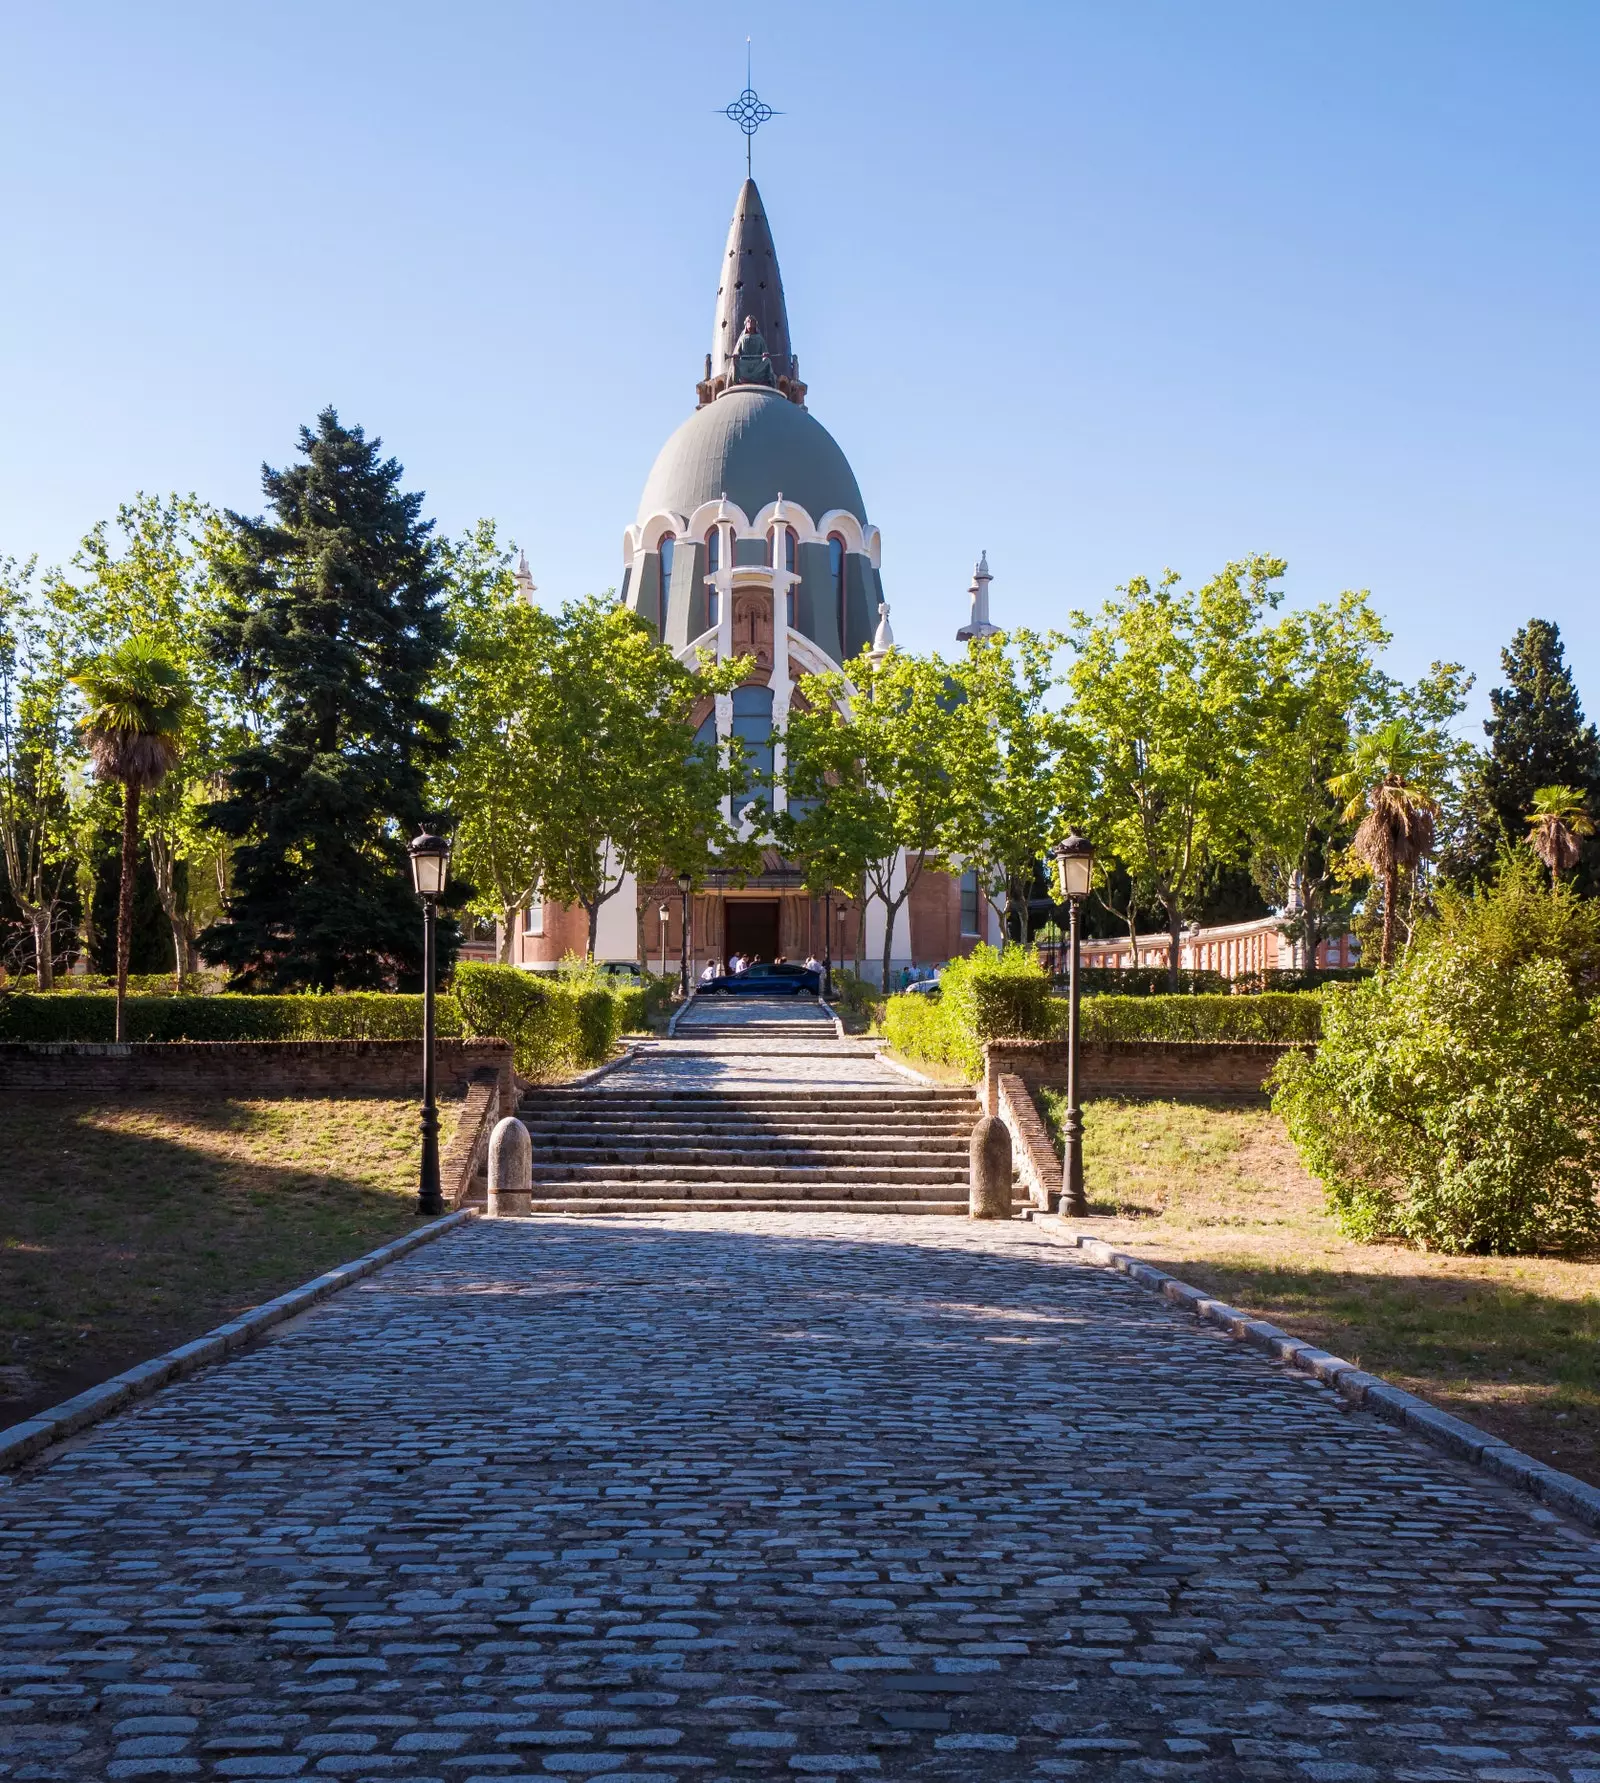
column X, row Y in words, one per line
column 752, row 539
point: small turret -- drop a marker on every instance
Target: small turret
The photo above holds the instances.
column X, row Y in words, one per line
column 979, row 626
column 883, row 637
column 522, row 576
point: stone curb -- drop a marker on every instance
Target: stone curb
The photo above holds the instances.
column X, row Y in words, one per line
column 23, row 1441
column 1455, row 1436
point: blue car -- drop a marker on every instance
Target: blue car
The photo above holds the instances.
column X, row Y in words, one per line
column 762, row 980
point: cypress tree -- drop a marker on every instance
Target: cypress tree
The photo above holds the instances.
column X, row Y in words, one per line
column 1537, row 737
column 333, row 622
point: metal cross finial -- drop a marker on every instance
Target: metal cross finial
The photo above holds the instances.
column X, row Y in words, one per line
column 749, row 111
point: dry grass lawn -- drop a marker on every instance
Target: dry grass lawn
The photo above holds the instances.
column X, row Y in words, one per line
column 127, row 1229
column 1218, row 1196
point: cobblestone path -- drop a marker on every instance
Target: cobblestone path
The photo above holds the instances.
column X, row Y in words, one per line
column 739, row 1496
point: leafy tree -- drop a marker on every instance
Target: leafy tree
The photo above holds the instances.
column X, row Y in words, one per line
column 496, row 693
column 1011, row 783
column 1322, row 687
column 1391, row 786
column 1167, row 688
column 1558, row 820
column 149, row 578
column 623, row 787
column 868, row 759
column 137, row 701
column 332, row 623
column 1538, row 737
column 38, row 761
column 1452, row 1102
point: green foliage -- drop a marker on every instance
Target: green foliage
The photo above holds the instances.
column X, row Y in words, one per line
column 988, row 995
column 1455, row 1102
column 622, row 785
column 869, row 768
column 1142, row 981
column 1275, row 1016
column 332, row 618
column 555, row 1025
column 91, row 1016
column 855, row 997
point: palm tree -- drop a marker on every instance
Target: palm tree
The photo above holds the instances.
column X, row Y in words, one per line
column 137, row 699
column 1385, row 786
column 1558, row 818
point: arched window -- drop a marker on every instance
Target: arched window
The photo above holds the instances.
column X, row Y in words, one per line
column 752, row 724
column 713, row 564
column 789, row 604
column 836, row 575
column 788, row 548
column 667, row 549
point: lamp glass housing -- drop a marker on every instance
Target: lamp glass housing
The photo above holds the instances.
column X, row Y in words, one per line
column 685, row 883
column 1075, row 867
column 430, row 865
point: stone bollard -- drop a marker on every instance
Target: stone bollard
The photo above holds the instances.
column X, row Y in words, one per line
column 510, row 1168
column 991, row 1170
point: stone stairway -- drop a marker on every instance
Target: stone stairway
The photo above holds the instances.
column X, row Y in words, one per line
column 740, row 1018
column 892, row 1147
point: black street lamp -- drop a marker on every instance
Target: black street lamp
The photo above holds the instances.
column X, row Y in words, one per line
column 1074, row 859
column 430, row 869
column 666, row 917
column 685, row 886
column 827, row 942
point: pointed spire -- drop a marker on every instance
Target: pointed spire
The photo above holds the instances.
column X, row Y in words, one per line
column 750, row 295
column 523, row 577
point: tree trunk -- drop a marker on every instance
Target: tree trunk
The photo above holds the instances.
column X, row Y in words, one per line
column 180, row 950
column 1174, row 944
column 130, row 870
column 1391, row 897
column 890, row 911
column 594, row 928
column 44, row 965
column 508, row 930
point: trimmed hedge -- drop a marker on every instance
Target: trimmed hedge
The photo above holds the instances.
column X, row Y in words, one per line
column 1140, row 981
column 90, row 1016
column 555, row 1025
column 986, row 996
column 1270, row 1015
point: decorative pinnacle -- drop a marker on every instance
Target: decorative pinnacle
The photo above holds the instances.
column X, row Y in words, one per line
column 749, row 111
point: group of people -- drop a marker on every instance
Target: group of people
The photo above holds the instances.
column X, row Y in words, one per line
column 738, row 963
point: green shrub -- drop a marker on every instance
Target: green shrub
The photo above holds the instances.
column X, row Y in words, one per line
column 985, row 996
column 855, row 998
column 1454, row 1103
column 555, row 1025
column 1271, row 1015
column 140, row 984
column 347, row 1015
column 924, row 1028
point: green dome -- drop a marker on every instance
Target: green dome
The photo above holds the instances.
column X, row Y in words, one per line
column 751, row 445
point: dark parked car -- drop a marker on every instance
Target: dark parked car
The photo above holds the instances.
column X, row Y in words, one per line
column 762, row 980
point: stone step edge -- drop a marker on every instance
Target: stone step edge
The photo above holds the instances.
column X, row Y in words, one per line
column 566, row 1208
column 21, row 1442
column 1442, row 1430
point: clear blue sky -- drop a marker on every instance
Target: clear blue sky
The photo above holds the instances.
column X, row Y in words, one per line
column 1098, row 287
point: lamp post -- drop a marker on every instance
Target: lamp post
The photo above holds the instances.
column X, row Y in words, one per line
column 841, row 914
column 827, row 942
column 666, row 917
column 685, row 886
column 1074, row 859
column 430, row 869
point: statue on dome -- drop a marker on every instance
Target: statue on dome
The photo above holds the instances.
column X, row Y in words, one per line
column 752, row 363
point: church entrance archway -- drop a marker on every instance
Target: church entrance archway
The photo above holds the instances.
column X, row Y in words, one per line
column 751, row 928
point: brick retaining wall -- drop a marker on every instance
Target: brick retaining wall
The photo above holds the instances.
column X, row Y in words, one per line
column 251, row 1067
column 1232, row 1069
